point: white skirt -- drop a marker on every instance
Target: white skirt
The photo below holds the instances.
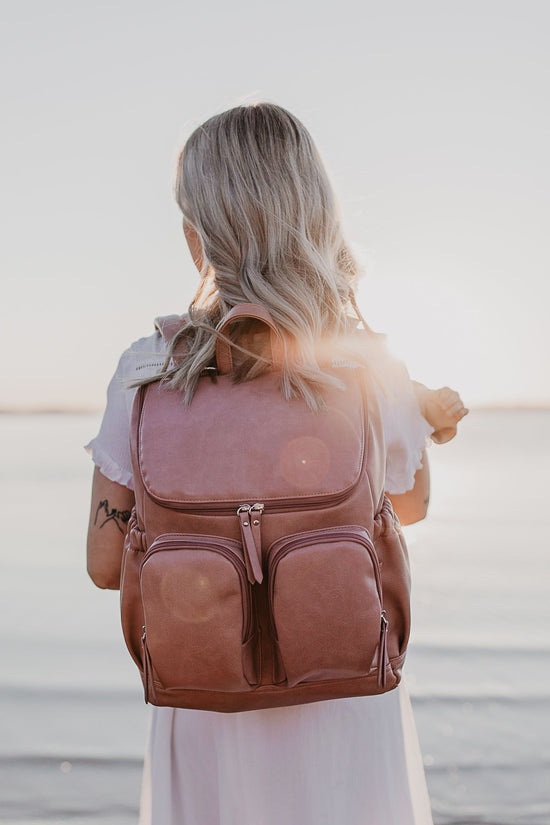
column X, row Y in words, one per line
column 340, row 762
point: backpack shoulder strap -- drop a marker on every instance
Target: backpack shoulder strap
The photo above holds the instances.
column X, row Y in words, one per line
column 169, row 326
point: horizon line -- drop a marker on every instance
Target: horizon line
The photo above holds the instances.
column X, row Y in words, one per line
column 55, row 410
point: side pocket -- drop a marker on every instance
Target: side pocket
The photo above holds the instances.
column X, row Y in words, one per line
column 392, row 552
column 325, row 599
column 200, row 629
column 131, row 614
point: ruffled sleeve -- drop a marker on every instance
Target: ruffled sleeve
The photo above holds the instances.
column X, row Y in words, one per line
column 407, row 434
column 110, row 449
column 406, row 431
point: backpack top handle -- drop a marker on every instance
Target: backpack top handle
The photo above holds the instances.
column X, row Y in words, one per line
column 224, row 356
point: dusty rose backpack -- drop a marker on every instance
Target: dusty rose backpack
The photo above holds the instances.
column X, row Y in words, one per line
column 264, row 565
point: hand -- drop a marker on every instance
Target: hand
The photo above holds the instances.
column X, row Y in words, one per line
column 445, row 409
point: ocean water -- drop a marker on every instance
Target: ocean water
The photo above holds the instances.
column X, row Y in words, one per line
column 73, row 723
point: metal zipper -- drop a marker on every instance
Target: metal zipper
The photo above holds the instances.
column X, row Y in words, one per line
column 274, row 506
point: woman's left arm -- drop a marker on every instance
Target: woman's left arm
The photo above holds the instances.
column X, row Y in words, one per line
column 109, row 515
column 412, row 506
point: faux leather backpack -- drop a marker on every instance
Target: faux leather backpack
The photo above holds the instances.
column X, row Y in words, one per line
column 263, row 565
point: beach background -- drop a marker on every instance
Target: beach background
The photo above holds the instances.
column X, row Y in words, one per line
column 74, row 723
column 432, row 119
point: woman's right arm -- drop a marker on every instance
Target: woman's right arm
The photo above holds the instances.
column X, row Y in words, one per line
column 107, row 527
column 412, row 506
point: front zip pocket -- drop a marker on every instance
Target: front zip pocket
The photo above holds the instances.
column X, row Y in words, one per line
column 200, row 629
column 325, row 597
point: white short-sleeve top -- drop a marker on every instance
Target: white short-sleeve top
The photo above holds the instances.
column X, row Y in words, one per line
column 406, row 431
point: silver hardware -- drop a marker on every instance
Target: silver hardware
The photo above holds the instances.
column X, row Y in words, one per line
column 256, row 521
column 245, row 523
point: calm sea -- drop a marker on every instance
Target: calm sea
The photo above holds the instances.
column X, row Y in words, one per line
column 74, row 724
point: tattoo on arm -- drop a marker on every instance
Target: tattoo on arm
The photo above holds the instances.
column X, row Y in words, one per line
column 118, row 517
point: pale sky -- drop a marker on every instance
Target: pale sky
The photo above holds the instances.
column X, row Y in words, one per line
column 434, row 124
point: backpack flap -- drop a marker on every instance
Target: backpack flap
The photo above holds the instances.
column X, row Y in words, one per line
column 244, row 442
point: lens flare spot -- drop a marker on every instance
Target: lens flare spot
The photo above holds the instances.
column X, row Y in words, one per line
column 188, row 595
column 305, row 462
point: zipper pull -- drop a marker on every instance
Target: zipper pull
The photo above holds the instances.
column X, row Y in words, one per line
column 382, row 650
column 249, row 517
column 145, row 658
column 256, row 515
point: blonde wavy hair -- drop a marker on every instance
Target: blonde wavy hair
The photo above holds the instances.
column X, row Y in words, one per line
column 251, row 184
